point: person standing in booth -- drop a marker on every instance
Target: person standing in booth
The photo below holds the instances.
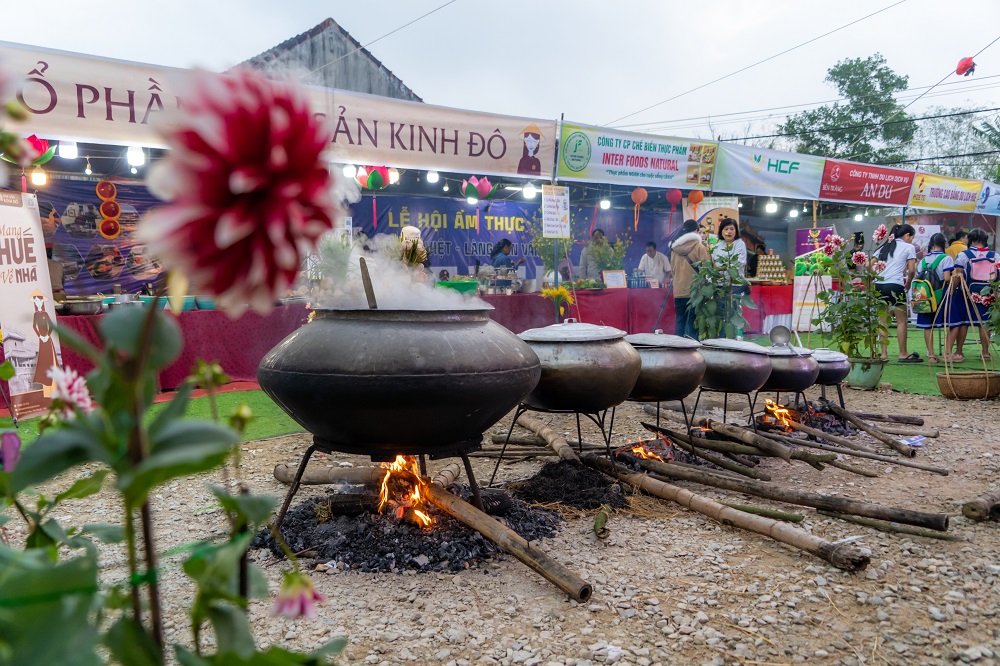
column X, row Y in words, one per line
column 686, row 250
column 731, row 245
column 589, row 269
column 500, row 256
column 655, row 265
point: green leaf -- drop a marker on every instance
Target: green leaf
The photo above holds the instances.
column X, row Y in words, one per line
column 85, row 487
column 232, row 629
column 123, row 329
column 249, row 509
column 6, row 371
column 747, row 302
column 215, row 566
column 331, row 649
column 105, row 532
column 188, row 658
column 131, row 644
column 53, row 453
column 180, row 434
column 170, row 463
column 174, row 411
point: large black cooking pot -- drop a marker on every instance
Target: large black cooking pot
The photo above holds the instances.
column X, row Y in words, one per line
column 585, row 368
column 734, row 366
column 672, row 366
column 833, row 366
column 388, row 382
column 793, row 369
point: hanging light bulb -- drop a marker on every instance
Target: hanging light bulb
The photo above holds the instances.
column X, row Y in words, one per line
column 445, row 188
column 793, row 213
column 88, row 170
column 529, row 191
column 605, row 204
column 866, row 212
column 38, row 176
column 771, row 207
column 739, row 204
column 68, row 150
column 804, row 209
column 135, row 156
column 432, row 176
column 350, row 171
column 393, row 176
column 472, row 201
column 858, row 217
column 134, row 170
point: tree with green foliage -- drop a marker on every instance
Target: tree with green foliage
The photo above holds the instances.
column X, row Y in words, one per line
column 868, row 125
column 990, row 134
column 944, row 132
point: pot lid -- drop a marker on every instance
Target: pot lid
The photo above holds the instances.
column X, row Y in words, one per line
column 571, row 332
column 829, row 356
column 788, row 350
column 664, row 340
column 734, row 345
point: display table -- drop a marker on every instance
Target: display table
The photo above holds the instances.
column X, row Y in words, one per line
column 238, row 345
column 774, row 306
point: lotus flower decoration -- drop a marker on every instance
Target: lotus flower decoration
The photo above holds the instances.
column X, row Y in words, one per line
column 373, row 178
column 29, row 152
column 478, row 188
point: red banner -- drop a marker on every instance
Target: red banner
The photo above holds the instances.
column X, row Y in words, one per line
column 865, row 184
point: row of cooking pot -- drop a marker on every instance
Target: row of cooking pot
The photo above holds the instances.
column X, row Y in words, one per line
column 590, row 368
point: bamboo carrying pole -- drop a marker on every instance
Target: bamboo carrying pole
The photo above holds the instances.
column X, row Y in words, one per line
column 845, row 556
column 511, row 541
column 902, row 462
column 934, row 521
column 986, row 507
column 767, row 513
column 888, row 440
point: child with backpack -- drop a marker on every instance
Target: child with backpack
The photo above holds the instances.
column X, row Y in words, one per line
column 976, row 267
column 927, row 290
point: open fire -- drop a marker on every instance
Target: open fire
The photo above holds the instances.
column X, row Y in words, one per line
column 404, row 472
column 660, row 449
column 778, row 413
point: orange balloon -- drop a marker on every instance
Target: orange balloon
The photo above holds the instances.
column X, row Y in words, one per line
column 695, row 197
column 639, row 196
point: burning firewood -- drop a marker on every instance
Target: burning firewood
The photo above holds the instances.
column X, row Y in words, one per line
column 983, row 508
column 764, row 423
column 772, row 447
column 934, row 521
column 845, row 556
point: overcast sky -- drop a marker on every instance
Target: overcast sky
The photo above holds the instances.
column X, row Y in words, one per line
column 593, row 60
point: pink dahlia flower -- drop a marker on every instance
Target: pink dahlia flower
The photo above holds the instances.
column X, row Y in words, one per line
column 828, row 250
column 249, row 192
column 878, row 266
column 297, row 596
column 10, row 451
column 70, row 392
column 836, row 241
column 859, row 258
column 880, row 233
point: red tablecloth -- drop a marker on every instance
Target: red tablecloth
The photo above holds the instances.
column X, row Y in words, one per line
column 644, row 307
column 237, row 344
column 519, row 312
column 770, row 300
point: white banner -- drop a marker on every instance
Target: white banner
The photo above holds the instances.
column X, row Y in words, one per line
column 73, row 96
column 988, row 202
column 27, row 312
column 555, row 211
column 759, row 171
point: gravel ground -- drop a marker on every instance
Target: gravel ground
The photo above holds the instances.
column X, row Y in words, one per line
column 674, row 588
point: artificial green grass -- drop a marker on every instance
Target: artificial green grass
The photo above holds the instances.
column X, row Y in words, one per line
column 268, row 419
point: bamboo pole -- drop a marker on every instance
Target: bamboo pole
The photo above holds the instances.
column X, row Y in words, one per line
column 767, row 513
column 314, row 477
column 890, row 527
column 447, row 475
column 748, row 437
column 819, row 434
column 845, row 556
column 908, row 431
column 891, row 418
column 722, row 462
column 725, row 446
column 888, row 440
column 518, row 441
column 510, row 541
column 554, row 439
column 902, row 462
column 934, row 521
column 986, row 507
column 852, row 469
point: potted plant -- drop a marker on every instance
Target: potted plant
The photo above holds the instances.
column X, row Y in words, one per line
column 718, row 310
column 853, row 313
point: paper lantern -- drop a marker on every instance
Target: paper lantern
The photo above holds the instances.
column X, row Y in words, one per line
column 372, row 177
column 110, row 210
column 639, row 196
column 674, row 197
column 106, row 190
column 695, row 197
column 109, row 228
column 477, row 188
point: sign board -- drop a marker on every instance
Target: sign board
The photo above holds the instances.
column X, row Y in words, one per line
column 603, row 155
column 943, row 193
column 27, row 312
column 988, row 202
column 852, row 182
column 555, row 211
column 764, row 172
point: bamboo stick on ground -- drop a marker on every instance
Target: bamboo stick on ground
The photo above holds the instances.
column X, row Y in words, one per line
column 511, row 541
column 447, row 475
column 986, row 507
column 907, row 431
column 934, row 521
column 314, row 477
column 706, row 470
column 518, row 441
column 836, row 439
column 902, row 462
column 722, row 462
column 749, row 437
column 732, row 447
column 554, row 439
column 852, row 469
column 885, row 526
column 767, row 513
column 891, row 418
column 845, row 556
column 888, row 440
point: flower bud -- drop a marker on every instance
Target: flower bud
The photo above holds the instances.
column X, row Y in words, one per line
column 16, row 110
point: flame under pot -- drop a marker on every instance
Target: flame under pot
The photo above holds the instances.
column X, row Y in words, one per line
column 734, row 366
column 790, row 371
column 585, row 368
column 672, row 367
column 387, row 382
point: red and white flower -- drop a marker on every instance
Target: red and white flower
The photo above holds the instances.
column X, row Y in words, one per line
column 70, row 393
column 828, row 250
column 880, row 234
column 249, row 192
column 859, row 258
column 297, row 596
column 878, row 266
column 836, row 241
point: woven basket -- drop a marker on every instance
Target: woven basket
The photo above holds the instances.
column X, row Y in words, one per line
column 969, row 385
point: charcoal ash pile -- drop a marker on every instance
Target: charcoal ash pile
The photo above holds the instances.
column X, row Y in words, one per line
column 572, row 484
column 372, row 542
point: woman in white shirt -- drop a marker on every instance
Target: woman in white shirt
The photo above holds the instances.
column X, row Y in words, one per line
column 900, row 258
column 730, row 245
